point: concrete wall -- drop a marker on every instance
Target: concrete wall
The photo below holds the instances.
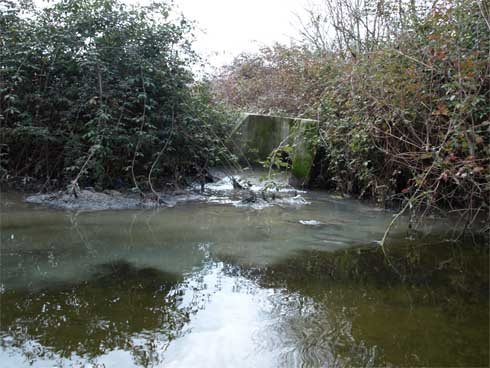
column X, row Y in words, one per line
column 256, row 136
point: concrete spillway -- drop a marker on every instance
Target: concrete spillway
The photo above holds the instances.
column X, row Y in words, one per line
column 257, row 136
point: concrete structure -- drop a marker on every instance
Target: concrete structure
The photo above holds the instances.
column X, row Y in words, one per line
column 256, row 136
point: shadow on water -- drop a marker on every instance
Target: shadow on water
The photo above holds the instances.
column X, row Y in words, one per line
column 427, row 305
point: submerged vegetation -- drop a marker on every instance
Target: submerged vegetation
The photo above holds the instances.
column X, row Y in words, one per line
column 401, row 90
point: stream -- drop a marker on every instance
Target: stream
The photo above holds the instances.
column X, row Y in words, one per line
column 299, row 282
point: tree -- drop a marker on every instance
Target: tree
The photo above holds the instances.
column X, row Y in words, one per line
column 277, row 80
column 401, row 89
column 98, row 88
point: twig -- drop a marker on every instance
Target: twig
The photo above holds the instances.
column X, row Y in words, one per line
column 158, row 158
column 138, row 142
column 74, row 182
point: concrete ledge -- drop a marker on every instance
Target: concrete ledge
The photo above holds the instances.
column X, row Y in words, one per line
column 256, row 136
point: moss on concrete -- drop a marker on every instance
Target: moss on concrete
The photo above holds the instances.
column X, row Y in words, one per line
column 258, row 135
column 261, row 134
column 305, row 139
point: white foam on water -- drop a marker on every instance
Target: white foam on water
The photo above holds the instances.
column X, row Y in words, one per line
column 310, row 222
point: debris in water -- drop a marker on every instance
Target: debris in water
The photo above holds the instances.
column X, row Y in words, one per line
column 310, row 222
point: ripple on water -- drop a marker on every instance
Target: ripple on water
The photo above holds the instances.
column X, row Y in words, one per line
column 208, row 285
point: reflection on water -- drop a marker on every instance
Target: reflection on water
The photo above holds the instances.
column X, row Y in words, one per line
column 102, row 314
column 204, row 285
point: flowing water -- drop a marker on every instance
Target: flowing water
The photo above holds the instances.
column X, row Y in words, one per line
column 218, row 284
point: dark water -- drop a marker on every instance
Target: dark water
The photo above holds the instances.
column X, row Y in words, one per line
column 208, row 285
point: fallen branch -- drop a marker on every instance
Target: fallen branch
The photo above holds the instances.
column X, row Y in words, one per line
column 73, row 187
column 138, row 142
column 157, row 196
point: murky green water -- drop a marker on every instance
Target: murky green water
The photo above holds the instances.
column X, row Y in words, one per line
column 209, row 285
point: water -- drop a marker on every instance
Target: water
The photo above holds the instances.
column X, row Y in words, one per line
column 207, row 284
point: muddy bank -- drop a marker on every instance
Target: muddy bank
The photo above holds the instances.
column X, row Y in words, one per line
column 239, row 191
column 107, row 200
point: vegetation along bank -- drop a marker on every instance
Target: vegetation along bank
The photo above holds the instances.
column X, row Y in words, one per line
column 96, row 93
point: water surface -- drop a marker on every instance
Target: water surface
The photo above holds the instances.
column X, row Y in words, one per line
column 218, row 285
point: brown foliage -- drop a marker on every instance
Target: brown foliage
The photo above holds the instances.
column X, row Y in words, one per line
column 277, row 80
column 404, row 115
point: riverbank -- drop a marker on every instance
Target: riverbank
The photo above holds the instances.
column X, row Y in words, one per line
column 250, row 189
column 246, row 189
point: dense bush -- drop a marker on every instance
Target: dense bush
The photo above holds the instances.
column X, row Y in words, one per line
column 100, row 91
column 402, row 92
column 277, row 80
column 412, row 117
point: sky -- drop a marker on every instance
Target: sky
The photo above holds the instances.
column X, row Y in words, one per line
column 225, row 28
